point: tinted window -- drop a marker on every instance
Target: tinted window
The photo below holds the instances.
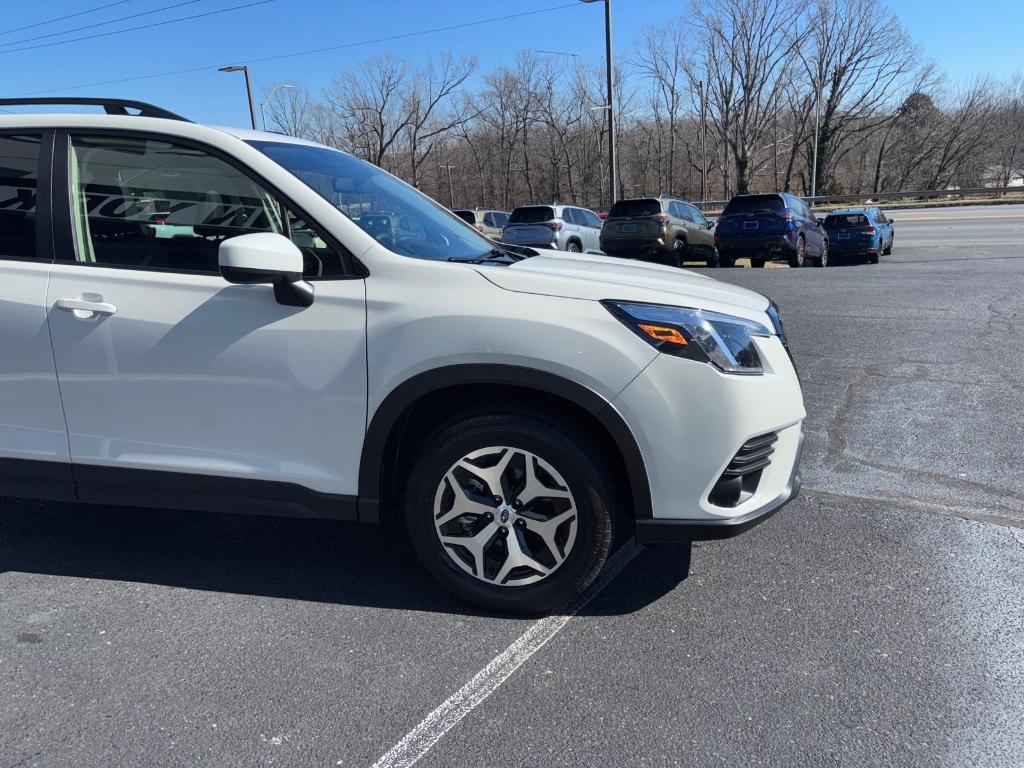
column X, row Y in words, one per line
column 627, row 208
column 593, row 220
column 467, row 216
column 696, row 216
column 19, row 174
column 532, row 214
column 750, row 204
column 845, row 221
column 500, row 219
column 156, row 205
column 489, row 220
column 575, row 215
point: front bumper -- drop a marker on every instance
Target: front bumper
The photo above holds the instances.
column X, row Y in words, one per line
column 652, row 531
column 690, row 422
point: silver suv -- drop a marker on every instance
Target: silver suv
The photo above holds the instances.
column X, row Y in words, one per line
column 561, row 227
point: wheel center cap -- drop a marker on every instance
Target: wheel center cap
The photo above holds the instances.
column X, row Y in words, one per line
column 506, row 515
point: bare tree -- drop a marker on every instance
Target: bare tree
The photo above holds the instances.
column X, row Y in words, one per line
column 432, row 108
column 859, row 59
column 747, row 48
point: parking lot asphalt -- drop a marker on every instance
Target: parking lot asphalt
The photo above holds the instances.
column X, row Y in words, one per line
column 877, row 620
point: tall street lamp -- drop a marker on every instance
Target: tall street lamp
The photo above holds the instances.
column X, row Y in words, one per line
column 612, row 183
column 275, row 89
column 248, row 87
column 451, row 187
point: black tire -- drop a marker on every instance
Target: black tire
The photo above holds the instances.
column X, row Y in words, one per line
column 556, row 442
column 888, row 251
column 573, row 247
column 822, row 260
column 799, row 258
column 679, row 252
column 757, row 263
column 873, row 258
column 725, row 262
column 714, row 258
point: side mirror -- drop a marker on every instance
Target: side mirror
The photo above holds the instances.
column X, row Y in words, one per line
column 265, row 258
column 711, row 224
column 821, row 222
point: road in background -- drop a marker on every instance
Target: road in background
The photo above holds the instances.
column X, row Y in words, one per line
column 875, row 621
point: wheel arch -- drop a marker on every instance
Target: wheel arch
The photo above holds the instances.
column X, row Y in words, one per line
column 432, row 396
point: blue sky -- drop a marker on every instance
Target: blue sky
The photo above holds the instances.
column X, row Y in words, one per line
column 984, row 37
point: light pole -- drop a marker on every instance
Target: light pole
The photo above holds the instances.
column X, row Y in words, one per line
column 451, row 187
column 612, row 182
column 263, row 114
column 703, row 146
column 248, row 87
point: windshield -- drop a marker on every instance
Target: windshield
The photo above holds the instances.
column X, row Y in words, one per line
column 754, row 204
column 532, row 214
column 401, row 219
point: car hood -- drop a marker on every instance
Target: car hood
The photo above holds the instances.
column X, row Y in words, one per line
column 603, row 277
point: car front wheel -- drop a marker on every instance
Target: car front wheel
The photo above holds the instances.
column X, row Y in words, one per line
column 510, row 512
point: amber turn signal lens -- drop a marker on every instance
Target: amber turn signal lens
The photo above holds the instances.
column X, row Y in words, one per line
column 664, row 334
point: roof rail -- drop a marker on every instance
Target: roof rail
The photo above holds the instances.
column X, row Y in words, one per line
column 110, row 106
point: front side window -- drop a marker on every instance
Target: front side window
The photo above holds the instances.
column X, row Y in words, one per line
column 401, row 219
column 19, row 177
column 151, row 204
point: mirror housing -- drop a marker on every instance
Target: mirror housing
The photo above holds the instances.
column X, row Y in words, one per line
column 266, row 258
column 711, row 224
column 821, row 222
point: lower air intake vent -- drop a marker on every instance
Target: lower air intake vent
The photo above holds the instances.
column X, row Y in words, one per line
column 739, row 480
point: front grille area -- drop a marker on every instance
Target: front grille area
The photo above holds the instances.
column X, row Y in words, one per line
column 740, row 479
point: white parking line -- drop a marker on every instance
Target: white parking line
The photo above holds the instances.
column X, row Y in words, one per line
column 420, row 739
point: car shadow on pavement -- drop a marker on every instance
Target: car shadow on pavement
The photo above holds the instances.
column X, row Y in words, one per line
column 310, row 560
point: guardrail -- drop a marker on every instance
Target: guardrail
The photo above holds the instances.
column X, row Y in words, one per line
column 891, row 197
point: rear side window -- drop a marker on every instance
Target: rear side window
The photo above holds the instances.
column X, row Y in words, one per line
column 148, row 204
column 500, row 218
column 19, row 178
column 846, row 221
column 593, row 220
column 532, row 214
column 467, row 216
column 627, row 208
column 751, row 204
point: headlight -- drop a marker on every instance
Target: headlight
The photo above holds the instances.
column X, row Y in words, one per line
column 725, row 341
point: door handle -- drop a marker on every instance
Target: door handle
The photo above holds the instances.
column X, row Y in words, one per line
column 85, row 308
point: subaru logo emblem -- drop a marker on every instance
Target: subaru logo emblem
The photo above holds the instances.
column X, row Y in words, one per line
column 504, row 516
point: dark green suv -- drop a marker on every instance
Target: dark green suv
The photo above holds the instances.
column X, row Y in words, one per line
column 659, row 229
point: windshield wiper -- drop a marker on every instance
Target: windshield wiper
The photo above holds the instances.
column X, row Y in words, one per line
column 494, row 255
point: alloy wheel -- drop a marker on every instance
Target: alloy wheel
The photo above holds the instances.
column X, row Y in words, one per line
column 505, row 516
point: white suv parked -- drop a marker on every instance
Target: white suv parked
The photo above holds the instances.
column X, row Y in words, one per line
column 195, row 318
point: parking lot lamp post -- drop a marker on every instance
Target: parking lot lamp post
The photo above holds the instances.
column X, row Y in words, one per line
column 263, row 114
column 248, row 87
column 609, row 106
column 451, row 187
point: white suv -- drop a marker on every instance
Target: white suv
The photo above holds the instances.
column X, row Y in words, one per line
column 227, row 320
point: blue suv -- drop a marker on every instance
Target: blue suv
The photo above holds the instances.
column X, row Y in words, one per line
column 772, row 227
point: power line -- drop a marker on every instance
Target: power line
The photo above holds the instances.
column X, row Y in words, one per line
column 135, row 29
column 102, row 23
column 62, row 18
column 309, row 52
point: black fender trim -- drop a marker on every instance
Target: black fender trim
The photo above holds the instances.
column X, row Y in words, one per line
column 388, row 414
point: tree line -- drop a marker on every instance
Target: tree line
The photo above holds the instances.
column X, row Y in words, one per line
column 727, row 99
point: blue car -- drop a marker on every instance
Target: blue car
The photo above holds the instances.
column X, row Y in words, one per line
column 860, row 233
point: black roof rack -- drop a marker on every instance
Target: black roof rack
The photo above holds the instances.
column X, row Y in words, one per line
column 110, row 106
